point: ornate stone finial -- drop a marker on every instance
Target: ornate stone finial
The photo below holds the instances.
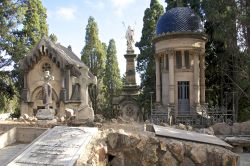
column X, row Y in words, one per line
column 130, row 39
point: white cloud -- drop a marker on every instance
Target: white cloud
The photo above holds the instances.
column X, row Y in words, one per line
column 66, row 13
column 119, row 5
column 95, row 4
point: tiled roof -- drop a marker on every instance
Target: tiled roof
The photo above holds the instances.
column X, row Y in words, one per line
column 179, row 19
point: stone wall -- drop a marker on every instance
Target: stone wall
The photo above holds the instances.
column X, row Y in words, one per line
column 117, row 148
column 236, row 129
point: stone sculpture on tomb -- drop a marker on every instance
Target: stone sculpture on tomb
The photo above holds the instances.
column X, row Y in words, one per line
column 47, row 89
column 125, row 104
column 130, row 39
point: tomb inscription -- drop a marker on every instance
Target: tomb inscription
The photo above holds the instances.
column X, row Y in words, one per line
column 60, row 146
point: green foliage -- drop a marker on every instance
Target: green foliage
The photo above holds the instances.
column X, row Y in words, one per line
column 16, row 113
column 23, row 23
column 53, row 38
column 112, row 79
column 145, row 60
column 94, row 56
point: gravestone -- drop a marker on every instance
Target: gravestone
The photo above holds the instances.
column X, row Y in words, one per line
column 189, row 136
column 60, row 146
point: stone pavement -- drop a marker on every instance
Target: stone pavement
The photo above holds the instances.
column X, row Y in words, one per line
column 9, row 152
column 59, row 146
column 244, row 159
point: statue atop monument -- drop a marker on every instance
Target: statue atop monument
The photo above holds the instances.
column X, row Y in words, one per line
column 47, row 89
column 130, row 39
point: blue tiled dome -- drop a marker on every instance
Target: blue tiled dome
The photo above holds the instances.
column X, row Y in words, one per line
column 179, row 19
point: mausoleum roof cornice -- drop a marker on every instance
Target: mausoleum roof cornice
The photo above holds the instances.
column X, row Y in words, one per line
column 176, row 35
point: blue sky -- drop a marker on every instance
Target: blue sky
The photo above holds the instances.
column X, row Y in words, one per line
column 68, row 19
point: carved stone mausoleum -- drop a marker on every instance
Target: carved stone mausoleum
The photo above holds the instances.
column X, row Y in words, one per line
column 180, row 62
column 69, row 86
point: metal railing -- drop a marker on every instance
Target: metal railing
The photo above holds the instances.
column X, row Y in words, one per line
column 202, row 116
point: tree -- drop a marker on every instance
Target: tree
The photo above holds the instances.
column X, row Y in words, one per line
column 145, row 60
column 23, row 23
column 112, row 79
column 53, row 38
column 93, row 55
column 9, row 21
column 34, row 28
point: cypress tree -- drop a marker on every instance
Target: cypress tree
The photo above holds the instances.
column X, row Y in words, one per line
column 93, row 55
column 112, row 79
column 146, row 60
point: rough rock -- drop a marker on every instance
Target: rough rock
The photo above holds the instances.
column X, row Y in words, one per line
column 198, row 154
column 168, row 159
column 69, row 113
column 222, row 129
column 21, row 119
column 228, row 160
column 62, row 119
column 149, row 155
column 208, row 131
column 177, row 149
column 236, row 129
column 122, row 120
column 181, row 126
column 99, row 118
column 187, row 162
column 149, row 127
column 113, row 120
column 32, row 119
column 245, row 128
column 116, row 161
column 120, row 141
column 25, row 116
column 46, row 122
column 190, row 128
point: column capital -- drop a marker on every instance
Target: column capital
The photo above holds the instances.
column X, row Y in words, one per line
column 170, row 51
column 197, row 51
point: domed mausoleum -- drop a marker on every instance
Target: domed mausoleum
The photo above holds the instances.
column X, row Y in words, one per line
column 180, row 62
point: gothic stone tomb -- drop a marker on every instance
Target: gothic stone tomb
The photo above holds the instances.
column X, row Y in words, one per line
column 69, row 88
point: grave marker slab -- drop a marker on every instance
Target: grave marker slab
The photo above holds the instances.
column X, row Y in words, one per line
column 189, row 136
column 60, row 146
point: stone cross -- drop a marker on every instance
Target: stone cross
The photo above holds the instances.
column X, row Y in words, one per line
column 130, row 39
column 47, row 89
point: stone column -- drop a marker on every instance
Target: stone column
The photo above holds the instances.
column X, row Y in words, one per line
column 171, row 77
column 196, row 78
column 67, row 79
column 25, row 80
column 158, row 83
column 24, row 94
column 202, row 77
column 63, row 92
column 164, row 63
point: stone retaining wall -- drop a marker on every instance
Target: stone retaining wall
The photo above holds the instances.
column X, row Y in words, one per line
column 118, row 148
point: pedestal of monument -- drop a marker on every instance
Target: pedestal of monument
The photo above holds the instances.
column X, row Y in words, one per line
column 126, row 103
column 45, row 114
